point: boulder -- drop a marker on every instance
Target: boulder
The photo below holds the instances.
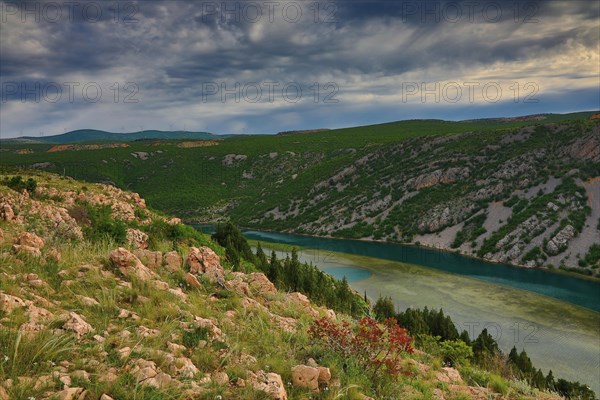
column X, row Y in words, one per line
column 175, row 348
column 161, row 285
column 27, row 250
column 151, row 259
column 330, row 314
column 172, row 261
column 75, row 393
column 210, row 325
column 8, row 303
column 220, row 378
column 147, row 373
column 270, row 383
column 302, row 302
column 87, row 301
column 448, row 375
column 184, row 367
column 29, row 239
column 192, row 280
column 305, row 377
column 77, row 324
column 239, row 286
column 3, row 394
column 204, row 261
column 6, row 212
column 261, row 284
column 147, row 332
column 324, row 374
column 129, row 264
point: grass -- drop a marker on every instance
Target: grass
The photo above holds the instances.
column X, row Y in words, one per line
column 30, row 355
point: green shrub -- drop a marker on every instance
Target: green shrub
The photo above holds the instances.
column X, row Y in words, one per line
column 17, row 183
column 98, row 222
column 456, row 352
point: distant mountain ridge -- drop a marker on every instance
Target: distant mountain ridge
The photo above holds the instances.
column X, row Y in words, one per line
column 93, row 135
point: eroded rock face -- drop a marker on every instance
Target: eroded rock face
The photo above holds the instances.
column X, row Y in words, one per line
column 439, row 176
column 559, row 242
column 586, row 148
column 205, row 261
column 270, row 383
column 129, row 264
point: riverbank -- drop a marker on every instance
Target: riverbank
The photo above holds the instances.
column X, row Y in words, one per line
column 424, row 246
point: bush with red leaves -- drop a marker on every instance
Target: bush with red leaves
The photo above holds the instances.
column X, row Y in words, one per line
column 377, row 347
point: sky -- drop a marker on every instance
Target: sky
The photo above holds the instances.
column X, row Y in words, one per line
column 271, row 66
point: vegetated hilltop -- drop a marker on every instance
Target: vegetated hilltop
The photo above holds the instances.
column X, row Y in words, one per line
column 519, row 190
column 94, row 135
column 102, row 298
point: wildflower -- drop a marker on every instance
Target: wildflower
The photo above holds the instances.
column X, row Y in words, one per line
column 5, row 358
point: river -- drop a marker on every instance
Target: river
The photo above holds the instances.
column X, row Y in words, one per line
column 554, row 317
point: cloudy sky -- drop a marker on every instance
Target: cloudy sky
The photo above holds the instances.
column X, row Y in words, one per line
column 269, row 66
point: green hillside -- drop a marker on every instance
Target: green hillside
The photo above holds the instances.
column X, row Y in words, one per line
column 95, row 136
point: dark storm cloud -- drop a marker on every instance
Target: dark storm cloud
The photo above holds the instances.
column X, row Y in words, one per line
column 171, row 50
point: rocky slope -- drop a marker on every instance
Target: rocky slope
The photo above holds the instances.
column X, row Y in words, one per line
column 528, row 197
column 85, row 317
